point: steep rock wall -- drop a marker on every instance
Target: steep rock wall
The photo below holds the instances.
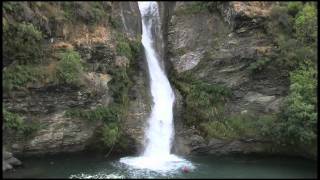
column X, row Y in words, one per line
column 45, row 104
column 217, row 47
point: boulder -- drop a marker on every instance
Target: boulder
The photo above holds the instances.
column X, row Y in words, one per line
column 6, row 154
column 14, row 161
column 121, row 61
column 6, row 166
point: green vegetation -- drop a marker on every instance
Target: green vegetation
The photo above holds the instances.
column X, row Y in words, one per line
column 259, row 65
column 114, row 23
column 101, row 113
column 293, row 26
column 193, row 7
column 110, row 134
column 203, row 101
column 12, row 7
column 88, row 12
column 22, row 43
column 67, row 71
column 299, row 119
column 305, row 24
column 294, row 8
column 29, row 62
column 12, row 120
column 17, row 77
column 240, row 126
column 69, row 68
column 15, row 122
column 119, row 85
column 123, row 48
column 98, row 13
column 126, row 47
column 121, row 76
column 111, row 116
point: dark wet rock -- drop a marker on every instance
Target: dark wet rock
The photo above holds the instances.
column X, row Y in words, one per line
column 14, row 161
column 8, row 161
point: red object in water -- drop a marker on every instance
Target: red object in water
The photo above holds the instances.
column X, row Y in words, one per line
column 185, row 169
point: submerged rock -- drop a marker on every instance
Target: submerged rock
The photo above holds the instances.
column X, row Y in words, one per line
column 14, row 161
column 8, row 161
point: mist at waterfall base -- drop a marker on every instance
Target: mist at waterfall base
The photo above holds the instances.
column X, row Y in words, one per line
column 159, row 134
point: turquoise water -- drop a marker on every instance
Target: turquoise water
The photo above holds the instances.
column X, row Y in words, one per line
column 97, row 166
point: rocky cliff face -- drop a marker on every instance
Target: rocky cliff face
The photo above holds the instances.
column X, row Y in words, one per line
column 45, row 104
column 217, row 45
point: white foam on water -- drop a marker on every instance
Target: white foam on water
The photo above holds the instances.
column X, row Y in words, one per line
column 96, row 176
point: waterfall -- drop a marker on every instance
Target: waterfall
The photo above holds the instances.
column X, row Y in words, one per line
column 160, row 132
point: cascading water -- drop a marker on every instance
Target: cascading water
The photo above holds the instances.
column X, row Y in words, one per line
column 159, row 134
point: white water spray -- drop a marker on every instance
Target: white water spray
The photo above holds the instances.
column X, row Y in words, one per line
column 159, row 134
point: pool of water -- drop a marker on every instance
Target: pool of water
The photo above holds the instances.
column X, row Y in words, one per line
column 97, row 166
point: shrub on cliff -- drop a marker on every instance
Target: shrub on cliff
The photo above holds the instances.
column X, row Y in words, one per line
column 203, row 101
column 88, row 12
column 299, row 119
column 239, row 126
column 15, row 122
column 195, row 7
column 110, row 134
column 101, row 113
column 110, row 117
column 69, row 68
column 123, row 48
column 294, row 29
column 12, row 120
column 22, row 43
column 294, row 7
column 17, row 77
column 306, row 24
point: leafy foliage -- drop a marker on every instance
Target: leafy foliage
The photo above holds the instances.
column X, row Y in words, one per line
column 203, row 101
column 12, row 120
column 110, row 134
column 299, row 118
column 101, row 113
column 193, row 7
column 114, row 23
column 121, row 82
column 258, row 65
column 22, row 43
column 239, row 126
column 15, row 122
column 119, row 85
column 294, row 7
column 294, row 28
column 67, row 71
column 16, row 77
column 111, row 116
column 306, row 24
column 126, row 47
column 123, row 48
column 297, row 56
column 69, row 68
column 88, row 12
